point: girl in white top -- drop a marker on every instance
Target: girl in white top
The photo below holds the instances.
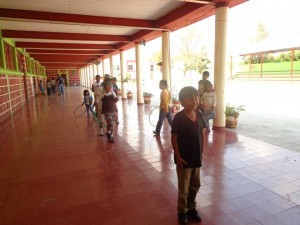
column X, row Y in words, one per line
column 208, row 102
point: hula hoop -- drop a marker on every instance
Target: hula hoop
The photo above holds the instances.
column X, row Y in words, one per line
column 80, row 114
column 157, row 107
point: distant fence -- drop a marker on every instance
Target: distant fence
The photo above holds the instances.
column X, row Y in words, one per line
column 273, row 70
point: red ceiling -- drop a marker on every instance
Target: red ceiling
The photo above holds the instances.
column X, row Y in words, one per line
column 70, row 55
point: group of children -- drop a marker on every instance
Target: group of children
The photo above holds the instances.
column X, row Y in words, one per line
column 187, row 129
column 187, row 132
column 105, row 99
column 54, row 86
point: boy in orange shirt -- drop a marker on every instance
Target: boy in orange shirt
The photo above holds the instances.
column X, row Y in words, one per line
column 165, row 108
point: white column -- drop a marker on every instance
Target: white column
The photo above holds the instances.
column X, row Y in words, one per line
column 84, row 79
column 111, row 66
column 95, row 70
column 139, row 78
column 166, row 66
column 220, row 62
column 103, row 68
column 123, row 74
column 90, row 76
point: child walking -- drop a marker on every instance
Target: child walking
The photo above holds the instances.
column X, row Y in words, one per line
column 88, row 102
column 165, row 108
column 208, row 103
column 115, row 89
column 109, row 100
column 97, row 88
column 187, row 141
column 41, row 85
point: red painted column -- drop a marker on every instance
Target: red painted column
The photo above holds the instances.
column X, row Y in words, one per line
column 25, row 77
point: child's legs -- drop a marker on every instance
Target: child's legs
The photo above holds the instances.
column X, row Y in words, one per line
column 109, row 117
column 87, row 107
column 186, row 184
column 91, row 109
column 116, row 115
column 169, row 116
column 208, row 115
column 194, row 188
column 162, row 116
column 61, row 89
column 99, row 115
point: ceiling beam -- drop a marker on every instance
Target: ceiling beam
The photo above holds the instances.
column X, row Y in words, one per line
column 66, row 52
column 64, row 61
column 76, row 18
column 63, row 36
column 52, row 56
column 61, row 66
column 64, row 46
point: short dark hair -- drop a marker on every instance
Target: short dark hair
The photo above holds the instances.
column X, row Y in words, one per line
column 187, row 92
column 164, row 82
column 107, row 83
column 206, row 85
column 86, row 91
column 98, row 76
column 205, row 73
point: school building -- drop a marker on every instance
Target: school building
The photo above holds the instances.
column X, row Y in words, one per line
column 55, row 169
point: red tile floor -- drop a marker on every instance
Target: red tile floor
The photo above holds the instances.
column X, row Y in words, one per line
column 55, row 170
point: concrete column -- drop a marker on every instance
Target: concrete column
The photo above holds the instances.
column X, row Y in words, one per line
column 86, row 76
column 166, row 66
column 123, row 74
column 94, row 70
column 103, row 68
column 83, row 77
column 89, row 75
column 111, row 66
column 139, row 76
column 220, row 62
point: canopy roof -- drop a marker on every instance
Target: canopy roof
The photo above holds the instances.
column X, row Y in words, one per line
column 74, row 33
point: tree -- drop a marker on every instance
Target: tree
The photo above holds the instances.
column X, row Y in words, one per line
column 191, row 53
column 261, row 33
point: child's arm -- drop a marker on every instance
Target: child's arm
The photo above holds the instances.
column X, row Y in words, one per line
column 180, row 161
column 115, row 96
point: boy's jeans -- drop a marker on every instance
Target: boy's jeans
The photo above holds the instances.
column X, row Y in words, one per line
column 208, row 115
column 188, row 187
column 61, row 89
column 162, row 116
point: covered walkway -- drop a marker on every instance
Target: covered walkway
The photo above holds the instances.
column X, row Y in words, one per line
column 55, row 170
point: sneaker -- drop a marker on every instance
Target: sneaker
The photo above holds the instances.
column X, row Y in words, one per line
column 194, row 215
column 182, row 218
column 101, row 132
column 111, row 138
column 208, row 130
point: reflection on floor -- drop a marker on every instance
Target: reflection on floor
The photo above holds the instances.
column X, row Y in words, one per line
column 55, row 170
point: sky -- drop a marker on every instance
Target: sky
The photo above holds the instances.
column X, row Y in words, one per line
column 280, row 18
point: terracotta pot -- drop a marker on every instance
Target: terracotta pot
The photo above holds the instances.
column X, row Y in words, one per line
column 176, row 105
column 129, row 95
column 147, row 100
column 231, row 121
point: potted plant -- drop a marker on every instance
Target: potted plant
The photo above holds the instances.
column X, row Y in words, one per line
column 232, row 113
column 147, row 97
column 175, row 104
column 129, row 95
